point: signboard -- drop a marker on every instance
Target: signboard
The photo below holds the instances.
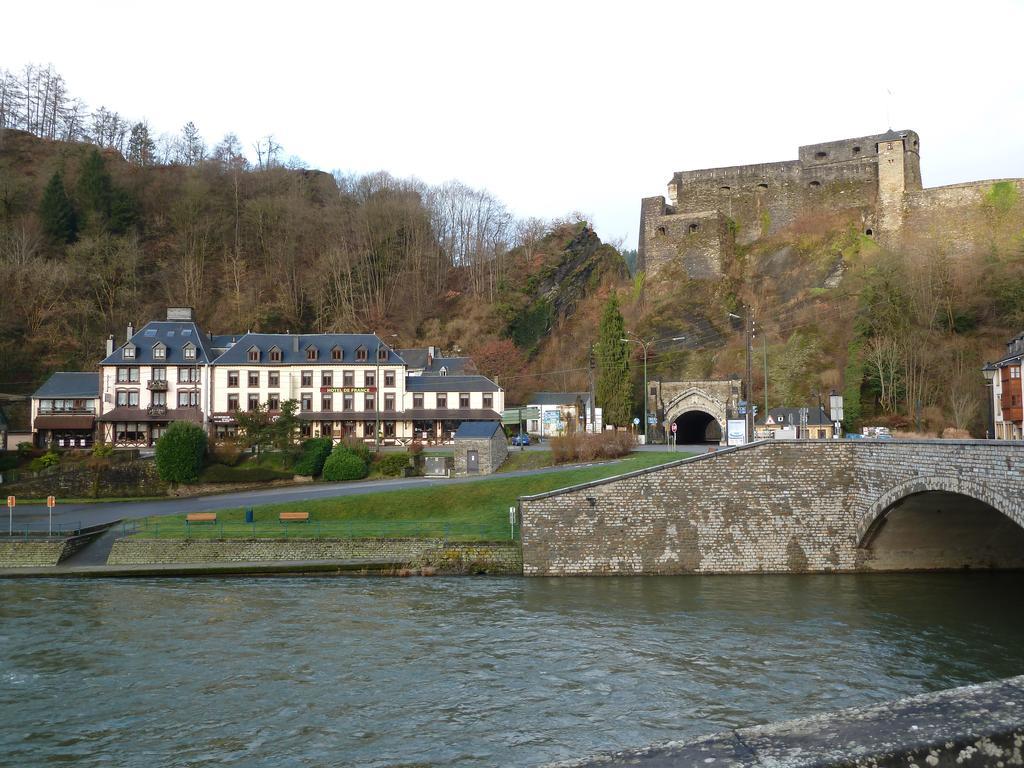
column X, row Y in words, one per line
column 652, row 420
column 51, row 502
column 11, row 501
column 675, row 427
column 347, row 390
column 736, row 432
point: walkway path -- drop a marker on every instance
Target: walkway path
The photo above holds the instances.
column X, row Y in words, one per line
column 326, row 567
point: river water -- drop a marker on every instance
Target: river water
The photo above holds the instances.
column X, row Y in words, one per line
column 471, row 671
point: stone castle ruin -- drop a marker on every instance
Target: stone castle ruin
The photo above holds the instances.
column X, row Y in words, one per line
column 710, row 211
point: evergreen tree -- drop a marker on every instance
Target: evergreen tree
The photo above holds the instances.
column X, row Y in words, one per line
column 614, row 386
column 56, row 213
column 141, row 147
column 95, row 188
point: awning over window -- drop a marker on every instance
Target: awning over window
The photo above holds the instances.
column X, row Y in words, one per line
column 64, row 422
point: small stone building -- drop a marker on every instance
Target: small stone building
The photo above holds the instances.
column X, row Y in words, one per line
column 480, row 447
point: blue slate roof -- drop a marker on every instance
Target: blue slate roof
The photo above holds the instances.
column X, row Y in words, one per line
column 238, row 354
column 450, row 384
column 70, row 384
column 173, row 335
column 477, row 429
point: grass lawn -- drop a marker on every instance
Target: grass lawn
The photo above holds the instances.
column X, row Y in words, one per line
column 471, row 511
column 518, row 459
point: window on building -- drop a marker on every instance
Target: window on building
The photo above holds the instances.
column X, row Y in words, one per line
column 275, row 355
column 693, row 228
column 273, row 378
column 361, row 353
column 389, row 402
column 369, row 428
column 389, row 429
column 335, row 353
column 369, row 402
column 815, row 184
column 188, row 375
column 254, row 355
column 326, row 402
column 232, row 378
column 311, row 353
column 125, row 373
column 348, row 402
column 159, row 398
column 821, row 155
column 159, row 352
column 305, row 429
column 464, row 400
column 326, row 379
column 307, row 401
column 122, row 397
column 370, row 379
column 254, row 378
column 661, row 230
column 188, row 352
column 159, row 373
column 488, row 400
column 382, row 354
column 307, row 378
column 254, row 402
column 417, row 400
column 389, row 378
column 442, row 399
column 188, row 398
column 273, row 402
column 1015, row 372
column 129, row 352
column 348, row 378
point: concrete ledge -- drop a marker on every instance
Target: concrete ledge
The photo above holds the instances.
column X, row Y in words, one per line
column 977, row 725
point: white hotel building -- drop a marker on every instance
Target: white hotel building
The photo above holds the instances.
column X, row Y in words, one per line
column 346, row 385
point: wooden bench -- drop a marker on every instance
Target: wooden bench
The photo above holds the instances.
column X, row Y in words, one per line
column 294, row 517
column 201, row 517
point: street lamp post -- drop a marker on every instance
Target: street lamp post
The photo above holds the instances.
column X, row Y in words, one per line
column 645, row 346
column 748, row 416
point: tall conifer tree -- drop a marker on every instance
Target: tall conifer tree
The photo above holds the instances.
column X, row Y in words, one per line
column 614, row 386
column 56, row 213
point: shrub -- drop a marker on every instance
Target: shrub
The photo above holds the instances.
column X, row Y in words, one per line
column 228, row 452
column 50, row 459
column 218, row 473
column 102, row 450
column 314, row 454
column 392, row 464
column 179, row 452
column 358, row 447
column 415, row 448
column 587, row 447
column 344, row 465
column 24, row 449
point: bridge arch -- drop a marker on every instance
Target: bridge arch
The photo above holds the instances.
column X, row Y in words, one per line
column 694, row 410
column 940, row 522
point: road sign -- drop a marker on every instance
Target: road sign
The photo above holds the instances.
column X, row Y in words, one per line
column 11, row 501
column 51, row 502
column 652, row 420
column 636, row 420
column 675, row 427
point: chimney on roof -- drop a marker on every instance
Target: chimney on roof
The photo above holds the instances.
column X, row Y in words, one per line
column 131, row 331
column 295, row 343
column 110, row 345
column 431, row 353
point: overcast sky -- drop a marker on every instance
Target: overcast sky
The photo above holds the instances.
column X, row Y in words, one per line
column 552, row 106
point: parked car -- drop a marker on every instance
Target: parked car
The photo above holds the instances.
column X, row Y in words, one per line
column 521, row 439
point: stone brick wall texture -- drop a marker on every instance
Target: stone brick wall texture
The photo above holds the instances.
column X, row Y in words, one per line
column 133, row 478
column 491, row 452
column 29, row 554
column 447, row 557
column 770, row 507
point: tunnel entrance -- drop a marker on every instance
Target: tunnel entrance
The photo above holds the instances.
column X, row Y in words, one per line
column 939, row 530
column 694, row 427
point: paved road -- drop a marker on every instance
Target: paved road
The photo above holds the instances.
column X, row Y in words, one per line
column 95, row 514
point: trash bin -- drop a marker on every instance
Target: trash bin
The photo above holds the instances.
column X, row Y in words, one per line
column 248, row 514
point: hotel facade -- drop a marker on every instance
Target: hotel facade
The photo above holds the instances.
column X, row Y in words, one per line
column 345, row 385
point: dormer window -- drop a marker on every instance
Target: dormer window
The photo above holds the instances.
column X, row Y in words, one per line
column 361, row 353
column 254, row 354
column 189, row 351
column 159, row 351
column 382, row 354
column 275, row 355
column 443, row 371
column 129, row 351
column 311, row 353
column 335, row 353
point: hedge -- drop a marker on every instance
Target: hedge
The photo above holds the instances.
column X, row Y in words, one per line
column 314, row 454
column 180, row 451
column 220, row 473
column 344, row 465
column 392, row 464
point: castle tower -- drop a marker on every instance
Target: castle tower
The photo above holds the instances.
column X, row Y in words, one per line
column 892, row 181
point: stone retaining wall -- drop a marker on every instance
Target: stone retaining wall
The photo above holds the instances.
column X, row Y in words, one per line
column 978, row 725
column 770, row 507
column 30, row 554
column 126, row 479
column 491, row 558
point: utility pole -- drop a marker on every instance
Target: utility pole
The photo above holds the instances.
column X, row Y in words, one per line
column 645, row 346
column 765, row 340
column 592, row 421
column 750, row 376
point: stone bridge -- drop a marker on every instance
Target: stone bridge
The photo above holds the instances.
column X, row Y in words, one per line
column 790, row 507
